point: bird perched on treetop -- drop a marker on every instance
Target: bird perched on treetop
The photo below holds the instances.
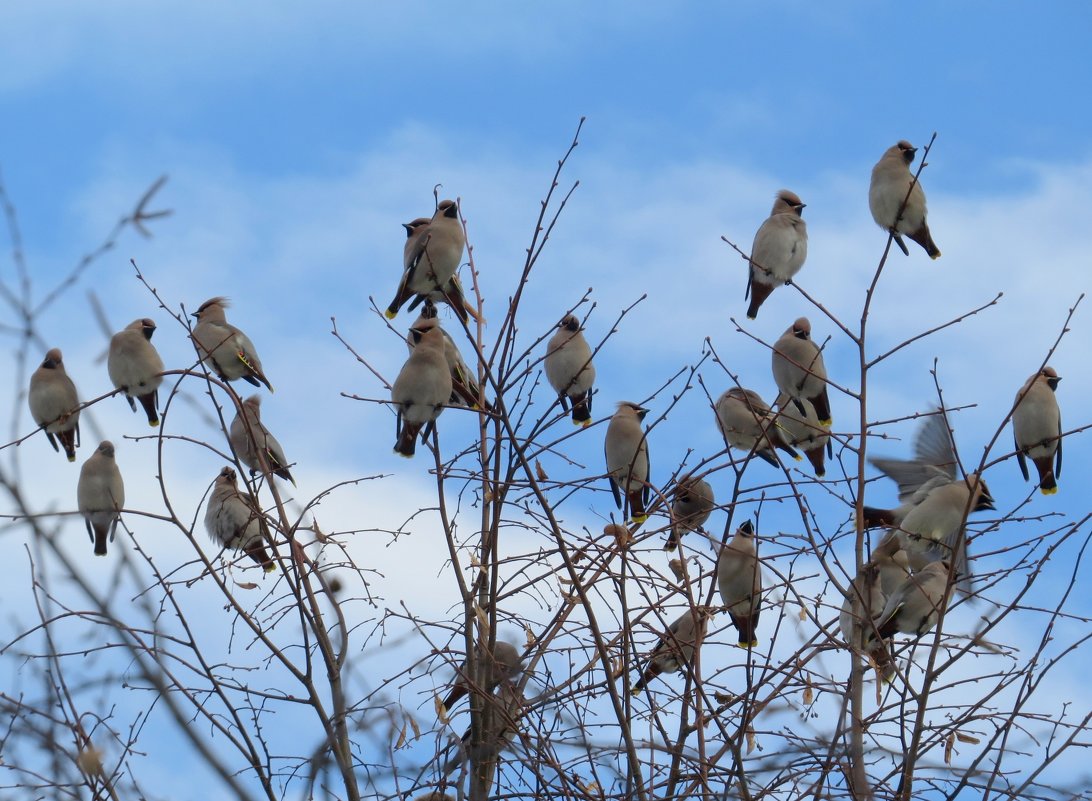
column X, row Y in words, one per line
column 503, row 665
column 894, row 189
column 569, row 368
column 234, row 519
column 675, row 649
column 249, row 437
column 693, row 503
column 779, row 250
column 799, row 370
column 224, row 348
column 747, row 423
column 430, row 258
column 422, row 387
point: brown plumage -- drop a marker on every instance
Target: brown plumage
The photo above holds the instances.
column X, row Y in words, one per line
column 1037, row 428
column 626, row 449
column 691, row 506
column 675, row 649
column 894, row 195
column 134, row 366
column 234, row 519
column 54, row 404
column 778, row 252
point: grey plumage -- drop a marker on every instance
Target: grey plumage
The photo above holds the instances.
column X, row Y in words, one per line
column 675, row 649
column 1037, row 428
column 799, row 370
column 54, row 404
column 430, row 258
column 913, row 608
column 505, row 664
column 464, row 383
column 234, row 519
column 569, row 368
column 100, row 495
column 249, row 437
column 422, row 387
column 779, row 250
column 739, row 579
column 626, row 450
column 747, row 423
column 134, row 366
column 892, row 186
column 223, row 347
column 804, row 431
column 691, row 506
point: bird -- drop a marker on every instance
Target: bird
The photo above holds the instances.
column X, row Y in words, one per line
column 914, row 606
column 691, row 506
column 1037, row 428
column 934, row 501
column 100, row 495
column 866, row 597
column 249, row 437
column 464, row 384
column 804, row 431
column 224, row 348
column 135, row 367
column 234, row 519
column 54, row 404
column 779, row 250
column 569, row 368
column 799, row 371
column 505, row 664
column 626, row 451
column 739, row 579
column 675, row 649
column 748, row 424
column 430, row 258
column 895, row 196
column 422, row 387
column 500, row 724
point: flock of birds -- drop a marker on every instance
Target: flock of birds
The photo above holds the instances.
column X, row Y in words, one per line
column 904, row 586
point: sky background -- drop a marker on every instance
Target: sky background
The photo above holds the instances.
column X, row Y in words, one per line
column 298, row 139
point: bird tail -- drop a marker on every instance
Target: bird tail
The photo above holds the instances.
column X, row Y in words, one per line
column 925, row 239
column 874, row 517
column 149, row 402
column 746, row 625
column 68, row 442
column 582, row 410
column 1048, row 485
column 759, row 293
column 257, row 552
column 407, row 439
column 636, row 500
column 816, row 457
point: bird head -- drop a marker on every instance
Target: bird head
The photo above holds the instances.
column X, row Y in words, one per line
column 907, row 150
column 801, row 329
column 1051, row 377
column 52, row 359
column 106, row 448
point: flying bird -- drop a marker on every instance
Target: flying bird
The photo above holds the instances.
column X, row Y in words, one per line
column 748, row 424
column 569, row 368
column 224, row 348
column 135, row 367
column 54, row 404
column 897, row 200
column 1037, row 429
column 249, row 437
column 626, row 451
column 778, row 252
column 799, row 370
column 739, row 579
column 234, row 519
column 100, row 495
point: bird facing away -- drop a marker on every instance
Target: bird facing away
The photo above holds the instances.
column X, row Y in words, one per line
column 224, row 348
column 675, row 649
column 799, row 370
column 739, row 579
column 249, row 437
column 691, row 506
column 234, row 519
column 626, row 451
column 934, row 500
column 464, row 384
column 100, row 495
column 748, row 424
column 500, row 724
column 804, row 431
column 422, row 387
column 866, row 597
column 1037, row 428
column 503, row 665
column 893, row 185
column 779, row 250
column 430, row 258
column 569, row 368
column 54, row 404
column 134, row 366
column 913, row 608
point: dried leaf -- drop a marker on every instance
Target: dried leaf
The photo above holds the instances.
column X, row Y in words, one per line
column 401, row 738
column 441, row 713
column 540, row 472
column 802, row 614
column 246, row 585
column 678, row 567
column 90, row 760
column 415, row 727
column 565, row 580
column 809, row 694
column 592, row 787
column 723, row 698
column 750, row 740
column 529, row 635
column 966, row 738
column 949, row 745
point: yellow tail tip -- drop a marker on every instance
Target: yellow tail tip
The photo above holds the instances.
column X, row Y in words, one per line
column 935, row 256
column 827, row 422
column 798, row 458
column 72, row 458
column 270, row 568
column 639, row 519
column 586, row 423
column 390, row 315
column 748, row 645
column 635, row 691
column 154, row 424
column 1051, row 491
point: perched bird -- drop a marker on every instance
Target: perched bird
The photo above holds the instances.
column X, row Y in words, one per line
column 626, row 450
column 464, row 384
column 224, row 348
column 54, row 404
column 692, row 504
column 249, row 437
column 805, row 432
column 799, row 370
column 505, row 664
column 675, row 649
column 866, row 597
column 234, row 519
column 500, row 724
column 431, row 256
column 913, row 608
column 894, row 190
column 134, row 366
column 934, row 501
column 1037, row 427
column 779, row 250
column 739, row 578
column 422, row 387
column 100, row 495
column 569, row 368
column 747, row 424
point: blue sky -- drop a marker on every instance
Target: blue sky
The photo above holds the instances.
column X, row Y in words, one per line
column 298, row 139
